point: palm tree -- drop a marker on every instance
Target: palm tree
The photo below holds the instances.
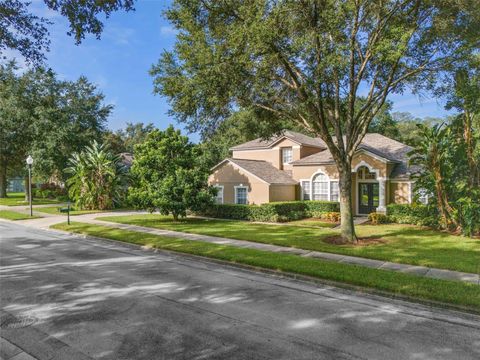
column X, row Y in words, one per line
column 98, row 178
column 432, row 156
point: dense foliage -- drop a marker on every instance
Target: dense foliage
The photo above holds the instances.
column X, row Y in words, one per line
column 98, row 178
column 167, row 175
column 272, row 212
column 445, row 173
column 416, row 214
column 124, row 140
column 27, row 33
column 47, row 118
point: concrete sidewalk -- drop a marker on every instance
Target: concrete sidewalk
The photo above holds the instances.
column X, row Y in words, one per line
column 371, row 263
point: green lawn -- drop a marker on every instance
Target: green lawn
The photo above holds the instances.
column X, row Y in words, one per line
column 403, row 243
column 458, row 293
column 56, row 211
column 14, row 199
column 13, row 215
column 313, row 223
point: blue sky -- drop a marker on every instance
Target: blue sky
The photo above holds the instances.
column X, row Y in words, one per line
column 120, row 61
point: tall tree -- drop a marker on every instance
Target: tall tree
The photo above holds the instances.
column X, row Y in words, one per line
column 124, row 140
column 308, row 61
column 167, row 176
column 17, row 104
column 466, row 99
column 22, row 30
column 46, row 118
column 70, row 115
column 384, row 123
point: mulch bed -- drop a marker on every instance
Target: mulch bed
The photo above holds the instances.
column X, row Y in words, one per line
column 367, row 241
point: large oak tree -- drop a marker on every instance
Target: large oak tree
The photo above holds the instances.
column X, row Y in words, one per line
column 327, row 65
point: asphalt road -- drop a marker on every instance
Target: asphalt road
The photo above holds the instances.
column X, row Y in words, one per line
column 66, row 297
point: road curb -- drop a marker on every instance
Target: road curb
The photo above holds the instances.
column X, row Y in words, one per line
column 283, row 275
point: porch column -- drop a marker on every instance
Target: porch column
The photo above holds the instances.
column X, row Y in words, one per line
column 381, row 195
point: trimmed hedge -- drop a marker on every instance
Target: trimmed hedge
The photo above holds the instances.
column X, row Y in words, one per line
column 271, row 212
column 416, row 214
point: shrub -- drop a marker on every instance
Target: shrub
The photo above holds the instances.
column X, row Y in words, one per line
column 468, row 216
column 333, row 216
column 416, row 214
column 377, row 218
column 317, row 207
column 49, row 191
column 271, row 212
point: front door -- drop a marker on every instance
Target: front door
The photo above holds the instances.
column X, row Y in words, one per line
column 368, row 197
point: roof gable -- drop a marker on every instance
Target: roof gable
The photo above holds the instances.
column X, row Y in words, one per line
column 260, row 169
column 296, row 137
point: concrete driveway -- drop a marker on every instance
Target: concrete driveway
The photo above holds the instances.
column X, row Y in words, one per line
column 65, row 297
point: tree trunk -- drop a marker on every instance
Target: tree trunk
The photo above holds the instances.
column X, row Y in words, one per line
column 346, row 205
column 467, row 135
column 3, row 181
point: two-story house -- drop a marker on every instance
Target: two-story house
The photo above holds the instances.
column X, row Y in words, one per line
column 294, row 166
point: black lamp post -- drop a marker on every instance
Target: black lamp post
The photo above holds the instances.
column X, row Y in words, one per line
column 29, row 163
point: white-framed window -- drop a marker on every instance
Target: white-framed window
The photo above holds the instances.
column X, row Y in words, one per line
column 306, row 188
column 287, row 155
column 219, row 196
column 241, row 195
column 320, row 187
column 334, row 191
column 423, row 196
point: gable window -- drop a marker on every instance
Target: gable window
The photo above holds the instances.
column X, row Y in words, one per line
column 287, row 155
column 306, row 190
column 334, row 193
column 320, row 187
column 241, row 195
column 219, row 196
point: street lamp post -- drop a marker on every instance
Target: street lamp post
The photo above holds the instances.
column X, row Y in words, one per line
column 29, row 163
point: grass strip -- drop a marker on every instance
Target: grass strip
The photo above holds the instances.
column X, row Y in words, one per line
column 451, row 292
column 13, row 215
column 55, row 210
column 16, row 199
column 402, row 243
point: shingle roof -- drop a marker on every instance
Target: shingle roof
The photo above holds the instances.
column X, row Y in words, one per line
column 263, row 170
column 380, row 145
column 292, row 135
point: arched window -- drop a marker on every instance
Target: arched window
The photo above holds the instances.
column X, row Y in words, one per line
column 364, row 173
column 320, row 187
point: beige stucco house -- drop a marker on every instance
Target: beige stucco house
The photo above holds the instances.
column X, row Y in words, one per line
column 293, row 166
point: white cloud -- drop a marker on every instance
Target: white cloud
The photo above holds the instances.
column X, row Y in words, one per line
column 119, row 35
column 168, row 31
column 7, row 55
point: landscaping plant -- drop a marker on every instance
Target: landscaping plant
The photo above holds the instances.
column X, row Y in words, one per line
column 98, row 178
column 167, row 176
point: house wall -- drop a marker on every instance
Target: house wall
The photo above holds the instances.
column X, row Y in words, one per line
column 283, row 192
column 399, row 193
column 230, row 176
column 274, row 155
column 374, row 163
column 306, row 172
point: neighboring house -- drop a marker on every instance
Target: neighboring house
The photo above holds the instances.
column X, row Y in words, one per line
column 15, row 184
column 126, row 159
column 294, row 166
